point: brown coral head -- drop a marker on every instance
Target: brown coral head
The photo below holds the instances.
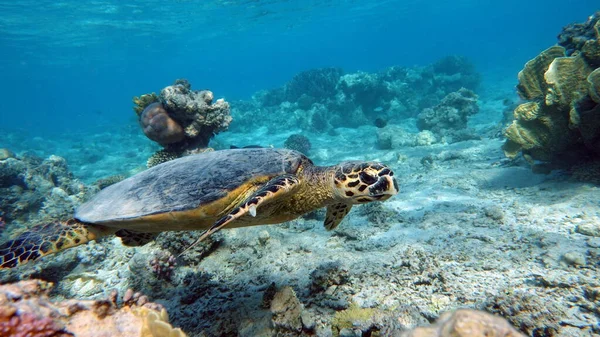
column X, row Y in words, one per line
column 159, row 126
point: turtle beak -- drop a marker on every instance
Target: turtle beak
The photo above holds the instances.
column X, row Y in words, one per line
column 384, row 188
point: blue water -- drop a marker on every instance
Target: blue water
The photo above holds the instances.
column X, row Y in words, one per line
column 73, row 66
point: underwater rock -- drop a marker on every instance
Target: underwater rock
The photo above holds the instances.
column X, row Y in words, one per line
column 466, row 323
column 298, row 143
column 287, row 310
column 26, row 310
column 6, row 153
column 181, row 119
column 450, row 115
column 559, row 123
column 394, row 136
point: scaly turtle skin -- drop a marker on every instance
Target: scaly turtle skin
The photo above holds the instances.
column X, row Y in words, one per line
column 208, row 191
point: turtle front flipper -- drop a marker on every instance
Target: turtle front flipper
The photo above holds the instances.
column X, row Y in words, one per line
column 273, row 190
column 335, row 215
column 48, row 239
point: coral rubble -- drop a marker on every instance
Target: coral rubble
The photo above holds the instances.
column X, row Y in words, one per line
column 180, row 119
column 559, row 121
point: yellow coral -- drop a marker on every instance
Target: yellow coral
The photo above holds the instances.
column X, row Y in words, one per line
column 566, row 79
column 143, row 101
column 162, row 156
column 156, row 324
column 346, row 319
column 593, row 80
column 531, row 79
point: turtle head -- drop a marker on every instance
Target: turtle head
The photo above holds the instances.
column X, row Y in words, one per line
column 363, row 182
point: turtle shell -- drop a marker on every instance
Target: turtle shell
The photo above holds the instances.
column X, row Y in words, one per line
column 186, row 183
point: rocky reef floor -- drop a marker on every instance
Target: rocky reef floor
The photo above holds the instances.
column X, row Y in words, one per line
column 469, row 229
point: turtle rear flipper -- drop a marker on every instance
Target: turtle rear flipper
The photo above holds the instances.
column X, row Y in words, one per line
column 48, row 239
column 134, row 239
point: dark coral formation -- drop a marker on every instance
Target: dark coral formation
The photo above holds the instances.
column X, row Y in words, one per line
column 451, row 114
column 34, row 190
column 454, row 72
column 321, row 99
column 26, row 310
column 559, row 123
column 574, row 36
column 311, row 86
column 180, row 119
column 298, row 143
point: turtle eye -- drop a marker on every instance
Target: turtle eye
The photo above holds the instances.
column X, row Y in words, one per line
column 367, row 178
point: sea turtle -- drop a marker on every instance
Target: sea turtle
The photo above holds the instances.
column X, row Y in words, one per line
column 208, row 191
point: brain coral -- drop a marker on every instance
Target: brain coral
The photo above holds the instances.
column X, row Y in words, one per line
column 159, row 126
column 559, row 122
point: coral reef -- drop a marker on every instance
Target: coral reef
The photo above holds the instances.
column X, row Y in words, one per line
column 298, row 142
column 321, row 99
column 26, row 310
column 559, row 123
column 180, row 119
column 451, row 115
column 34, row 190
